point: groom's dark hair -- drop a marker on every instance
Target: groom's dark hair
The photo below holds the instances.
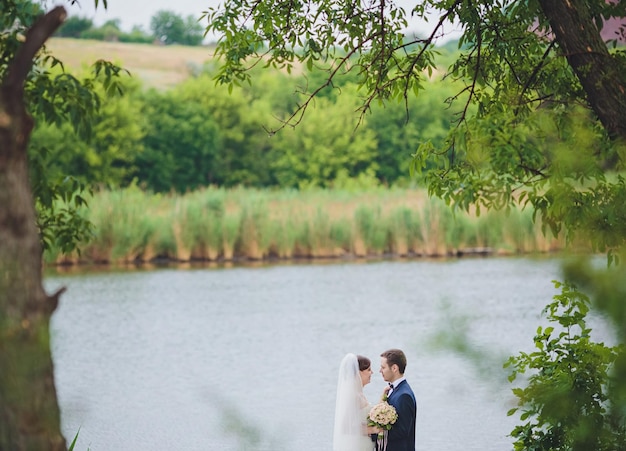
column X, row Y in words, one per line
column 395, row 357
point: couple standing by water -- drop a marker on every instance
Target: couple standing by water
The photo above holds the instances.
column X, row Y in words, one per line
column 388, row 425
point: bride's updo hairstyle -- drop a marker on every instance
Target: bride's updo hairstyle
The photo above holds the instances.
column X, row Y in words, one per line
column 364, row 362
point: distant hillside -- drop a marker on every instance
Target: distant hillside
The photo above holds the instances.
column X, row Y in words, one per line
column 164, row 66
column 156, row 65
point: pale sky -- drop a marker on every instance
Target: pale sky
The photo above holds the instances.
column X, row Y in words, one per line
column 139, row 12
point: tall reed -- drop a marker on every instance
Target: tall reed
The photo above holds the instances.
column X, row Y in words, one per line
column 122, row 230
column 219, row 224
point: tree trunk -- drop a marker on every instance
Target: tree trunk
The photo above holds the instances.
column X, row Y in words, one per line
column 599, row 73
column 29, row 412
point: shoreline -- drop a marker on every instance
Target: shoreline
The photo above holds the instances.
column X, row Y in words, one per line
column 167, row 262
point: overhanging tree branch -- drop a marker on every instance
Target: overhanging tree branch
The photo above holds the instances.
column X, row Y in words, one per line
column 35, row 39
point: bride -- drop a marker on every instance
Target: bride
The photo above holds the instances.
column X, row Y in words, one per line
column 351, row 431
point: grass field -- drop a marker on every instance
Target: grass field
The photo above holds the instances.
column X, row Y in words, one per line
column 156, row 65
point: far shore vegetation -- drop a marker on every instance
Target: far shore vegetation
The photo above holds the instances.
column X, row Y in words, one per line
column 193, row 175
column 215, row 224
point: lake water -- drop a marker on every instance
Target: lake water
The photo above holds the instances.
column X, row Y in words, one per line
column 246, row 358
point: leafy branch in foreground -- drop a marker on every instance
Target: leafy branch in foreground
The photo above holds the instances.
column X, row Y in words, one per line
column 565, row 404
column 57, row 97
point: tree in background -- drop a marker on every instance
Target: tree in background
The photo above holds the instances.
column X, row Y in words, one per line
column 83, row 28
column 109, row 31
column 325, row 149
column 137, row 35
column 170, row 28
column 194, row 31
column 167, row 27
column 541, row 112
column 107, row 155
column 149, row 135
column 181, row 144
column 400, row 128
column 242, row 155
column 74, row 27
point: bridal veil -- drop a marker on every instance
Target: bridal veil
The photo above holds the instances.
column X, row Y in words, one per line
column 349, row 433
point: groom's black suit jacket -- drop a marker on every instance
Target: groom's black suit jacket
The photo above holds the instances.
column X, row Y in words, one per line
column 402, row 434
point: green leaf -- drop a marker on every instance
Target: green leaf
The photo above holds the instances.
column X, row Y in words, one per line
column 73, row 444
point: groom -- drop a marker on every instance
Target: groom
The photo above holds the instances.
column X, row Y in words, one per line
column 402, row 434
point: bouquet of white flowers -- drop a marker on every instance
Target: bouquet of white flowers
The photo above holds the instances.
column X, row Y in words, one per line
column 382, row 415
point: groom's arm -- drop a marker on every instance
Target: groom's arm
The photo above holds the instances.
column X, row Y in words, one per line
column 405, row 407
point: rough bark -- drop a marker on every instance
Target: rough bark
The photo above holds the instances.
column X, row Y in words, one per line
column 599, row 73
column 29, row 412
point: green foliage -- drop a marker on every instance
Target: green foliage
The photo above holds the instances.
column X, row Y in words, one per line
column 224, row 224
column 565, row 404
column 73, row 444
column 331, row 38
column 607, row 287
column 553, row 161
column 308, row 157
column 523, row 133
column 400, row 127
column 106, row 154
column 372, row 229
column 181, row 144
column 198, row 134
column 74, row 27
column 136, row 35
column 243, row 143
column 109, row 31
column 61, row 223
column 54, row 96
column 170, row 28
column 83, row 28
column 166, row 26
column 15, row 13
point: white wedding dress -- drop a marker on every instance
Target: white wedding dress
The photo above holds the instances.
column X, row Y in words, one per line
column 351, row 410
column 365, row 442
